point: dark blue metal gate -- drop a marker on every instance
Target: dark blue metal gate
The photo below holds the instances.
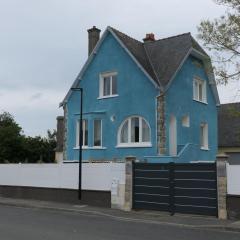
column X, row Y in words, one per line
column 183, row 188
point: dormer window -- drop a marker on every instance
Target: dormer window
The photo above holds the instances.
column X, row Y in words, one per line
column 199, row 90
column 108, row 85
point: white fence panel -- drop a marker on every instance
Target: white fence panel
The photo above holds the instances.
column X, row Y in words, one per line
column 95, row 176
column 233, row 179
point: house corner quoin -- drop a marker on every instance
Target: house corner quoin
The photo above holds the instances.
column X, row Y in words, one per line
column 161, row 128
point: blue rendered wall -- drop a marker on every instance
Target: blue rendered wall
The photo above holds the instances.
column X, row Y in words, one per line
column 179, row 102
column 137, row 96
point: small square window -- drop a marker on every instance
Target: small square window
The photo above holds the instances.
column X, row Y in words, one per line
column 185, row 121
column 108, row 85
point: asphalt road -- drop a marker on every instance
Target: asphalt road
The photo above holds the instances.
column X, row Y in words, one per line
column 17, row 223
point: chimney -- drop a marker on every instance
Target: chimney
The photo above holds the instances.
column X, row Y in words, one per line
column 60, row 134
column 149, row 38
column 93, row 37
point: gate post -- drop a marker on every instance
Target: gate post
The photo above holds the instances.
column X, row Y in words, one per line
column 129, row 182
column 222, row 185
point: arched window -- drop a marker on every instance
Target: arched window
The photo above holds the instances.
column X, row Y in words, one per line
column 134, row 132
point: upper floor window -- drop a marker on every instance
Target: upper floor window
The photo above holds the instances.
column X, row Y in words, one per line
column 199, row 90
column 204, row 136
column 134, row 131
column 108, row 85
column 84, row 133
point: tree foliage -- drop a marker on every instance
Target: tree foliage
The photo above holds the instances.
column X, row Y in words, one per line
column 11, row 140
column 15, row 147
column 222, row 37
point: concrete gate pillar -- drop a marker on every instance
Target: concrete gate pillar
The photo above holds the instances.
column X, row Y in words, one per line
column 129, row 183
column 222, row 185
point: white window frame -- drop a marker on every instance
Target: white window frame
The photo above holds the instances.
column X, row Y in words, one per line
column 97, row 119
column 129, row 143
column 83, row 132
column 196, row 97
column 101, row 85
column 204, row 136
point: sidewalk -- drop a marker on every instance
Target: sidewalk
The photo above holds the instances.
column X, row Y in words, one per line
column 153, row 217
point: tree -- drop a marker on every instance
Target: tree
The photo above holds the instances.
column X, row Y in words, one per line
column 16, row 147
column 222, row 37
column 11, row 140
column 38, row 149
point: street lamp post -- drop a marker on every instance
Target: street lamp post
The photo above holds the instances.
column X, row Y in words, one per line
column 80, row 144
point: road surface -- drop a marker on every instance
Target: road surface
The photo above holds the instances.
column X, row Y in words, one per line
column 18, row 223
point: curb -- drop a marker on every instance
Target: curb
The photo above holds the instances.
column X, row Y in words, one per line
column 232, row 229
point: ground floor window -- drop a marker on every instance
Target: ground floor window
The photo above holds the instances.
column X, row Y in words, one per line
column 134, row 131
column 204, row 136
column 84, row 133
column 97, row 133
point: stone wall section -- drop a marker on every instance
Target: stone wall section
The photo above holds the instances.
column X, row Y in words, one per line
column 161, row 125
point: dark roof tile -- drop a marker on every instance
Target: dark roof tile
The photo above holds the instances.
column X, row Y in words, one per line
column 160, row 58
column 229, row 125
column 137, row 50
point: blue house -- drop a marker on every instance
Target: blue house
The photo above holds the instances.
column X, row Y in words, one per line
column 156, row 100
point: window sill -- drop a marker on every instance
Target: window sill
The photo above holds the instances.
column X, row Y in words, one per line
column 205, row 148
column 109, row 96
column 200, row 101
column 141, row 145
column 88, row 148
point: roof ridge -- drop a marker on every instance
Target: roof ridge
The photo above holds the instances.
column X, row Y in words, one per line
column 166, row 38
column 114, row 29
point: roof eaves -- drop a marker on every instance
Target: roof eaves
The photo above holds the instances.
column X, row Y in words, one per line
column 79, row 76
column 212, row 82
column 195, row 43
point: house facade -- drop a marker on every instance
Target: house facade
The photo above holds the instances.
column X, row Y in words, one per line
column 156, row 100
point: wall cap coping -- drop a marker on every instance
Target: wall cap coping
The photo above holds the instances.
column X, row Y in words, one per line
column 221, row 156
column 130, row 158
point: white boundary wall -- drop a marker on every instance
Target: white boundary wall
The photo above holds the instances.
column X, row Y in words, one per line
column 233, row 179
column 95, row 176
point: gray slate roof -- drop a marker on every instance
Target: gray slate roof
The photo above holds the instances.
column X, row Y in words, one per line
column 229, row 125
column 160, row 58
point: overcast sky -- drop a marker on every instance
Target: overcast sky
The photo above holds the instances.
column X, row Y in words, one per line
column 43, row 44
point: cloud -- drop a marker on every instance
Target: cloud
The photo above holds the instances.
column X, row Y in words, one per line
column 43, row 45
column 36, row 96
column 34, row 112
